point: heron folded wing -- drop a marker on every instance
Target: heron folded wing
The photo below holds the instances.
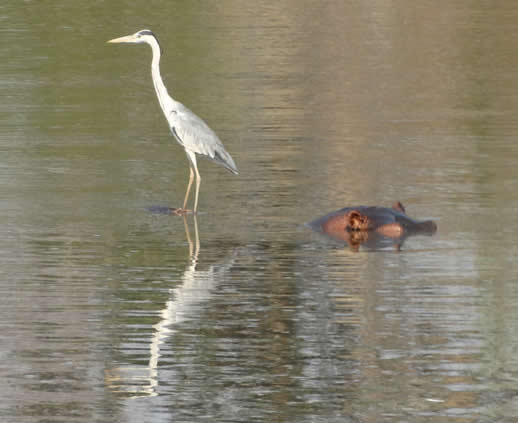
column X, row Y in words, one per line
column 195, row 135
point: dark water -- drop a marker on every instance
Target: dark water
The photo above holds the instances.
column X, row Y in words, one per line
column 112, row 312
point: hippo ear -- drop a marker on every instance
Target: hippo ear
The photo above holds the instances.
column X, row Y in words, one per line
column 399, row 207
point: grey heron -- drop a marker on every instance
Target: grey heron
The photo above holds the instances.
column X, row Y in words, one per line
column 191, row 132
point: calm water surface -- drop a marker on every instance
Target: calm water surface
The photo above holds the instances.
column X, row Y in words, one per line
column 110, row 312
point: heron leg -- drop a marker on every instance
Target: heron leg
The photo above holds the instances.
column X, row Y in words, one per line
column 191, row 177
column 198, row 182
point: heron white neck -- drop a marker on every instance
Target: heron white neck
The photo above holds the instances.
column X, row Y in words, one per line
column 161, row 90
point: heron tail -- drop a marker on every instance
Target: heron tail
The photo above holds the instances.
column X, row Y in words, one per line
column 225, row 160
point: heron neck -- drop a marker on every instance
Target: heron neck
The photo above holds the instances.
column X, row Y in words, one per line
column 161, row 90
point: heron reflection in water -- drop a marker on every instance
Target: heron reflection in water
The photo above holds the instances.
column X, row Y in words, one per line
column 184, row 303
column 193, row 134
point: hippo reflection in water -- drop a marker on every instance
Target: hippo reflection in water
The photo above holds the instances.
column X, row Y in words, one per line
column 373, row 226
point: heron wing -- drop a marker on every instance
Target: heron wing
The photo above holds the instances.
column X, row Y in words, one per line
column 196, row 136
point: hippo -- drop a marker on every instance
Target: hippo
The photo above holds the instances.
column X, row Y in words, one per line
column 375, row 225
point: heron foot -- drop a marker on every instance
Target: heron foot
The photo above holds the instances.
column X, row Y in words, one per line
column 180, row 212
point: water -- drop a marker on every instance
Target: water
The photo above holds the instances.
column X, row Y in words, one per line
column 111, row 312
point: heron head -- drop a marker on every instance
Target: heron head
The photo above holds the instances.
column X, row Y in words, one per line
column 143, row 36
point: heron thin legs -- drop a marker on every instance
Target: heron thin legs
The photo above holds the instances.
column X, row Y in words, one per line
column 198, row 182
column 191, row 177
column 193, row 171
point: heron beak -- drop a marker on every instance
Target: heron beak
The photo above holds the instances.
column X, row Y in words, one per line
column 126, row 39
